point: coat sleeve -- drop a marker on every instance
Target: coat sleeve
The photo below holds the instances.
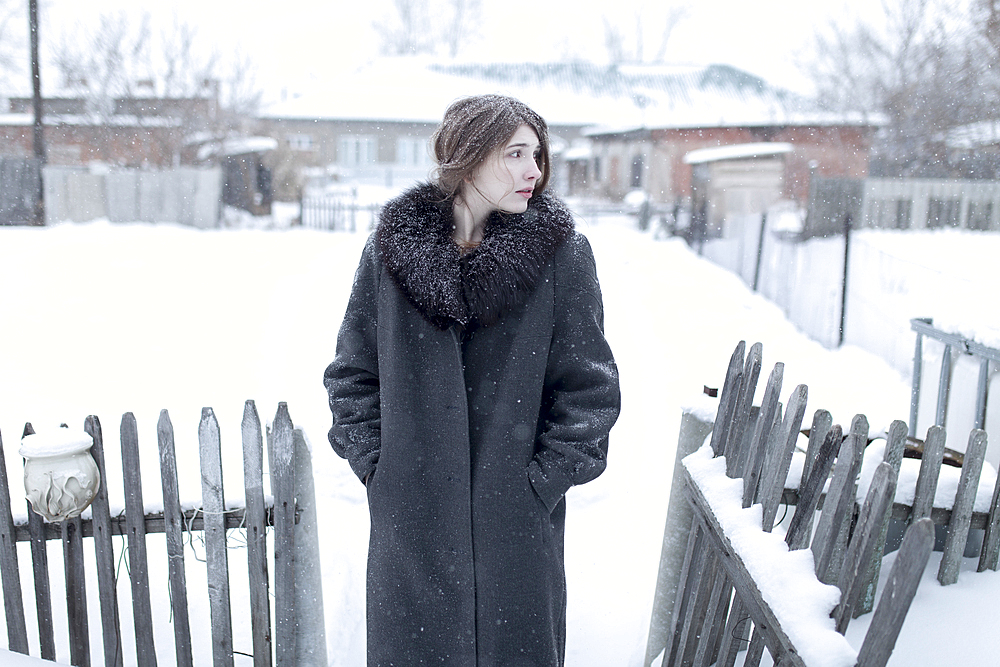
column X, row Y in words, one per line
column 581, row 397
column 352, row 380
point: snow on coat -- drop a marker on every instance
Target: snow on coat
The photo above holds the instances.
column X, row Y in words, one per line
column 475, row 391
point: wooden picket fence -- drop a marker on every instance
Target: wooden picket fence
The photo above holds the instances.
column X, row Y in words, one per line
column 213, row 518
column 705, row 593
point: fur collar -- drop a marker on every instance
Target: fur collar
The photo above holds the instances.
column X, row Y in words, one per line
column 414, row 237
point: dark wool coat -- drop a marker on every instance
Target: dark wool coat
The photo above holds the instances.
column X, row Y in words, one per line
column 475, row 391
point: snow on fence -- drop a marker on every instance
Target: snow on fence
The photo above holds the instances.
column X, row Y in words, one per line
column 722, row 570
column 297, row 628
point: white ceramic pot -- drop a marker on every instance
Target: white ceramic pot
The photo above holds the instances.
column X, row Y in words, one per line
column 61, row 478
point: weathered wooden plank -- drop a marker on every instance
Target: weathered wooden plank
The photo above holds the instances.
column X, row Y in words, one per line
column 744, row 405
column 40, row 569
column 715, row 616
column 142, row 612
column 930, row 468
column 961, row 513
column 253, row 482
column 895, row 442
column 735, row 633
column 173, row 529
column 13, row 603
column 216, row 556
column 989, row 558
column 763, row 617
column 104, row 552
column 862, row 546
column 779, row 457
column 800, row 528
column 898, row 594
column 838, row 502
column 282, row 458
column 684, row 591
column 727, row 400
column 822, row 422
column 310, row 615
column 194, row 521
column 858, row 437
column 76, row 593
column 755, row 651
column 689, row 597
column 676, row 542
column 758, row 444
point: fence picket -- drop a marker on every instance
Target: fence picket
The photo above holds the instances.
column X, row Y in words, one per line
column 76, row 593
column 104, row 552
column 744, row 405
column 990, row 555
column 727, row 400
column 135, row 530
column 835, row 507
column 904, row 577
column 779, row 456
column 961, row 513
column 800, row 528
column 213, row 503
column 282, row 459
column 895, row 442
column 40, row 570
column 13, row 603
column 173, row 531
column 930, row 468
column 862, row 546
column 253, row 471
column 858, row 437
column 754, row 454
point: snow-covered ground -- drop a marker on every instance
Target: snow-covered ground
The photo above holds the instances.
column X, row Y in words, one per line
column 103, row 319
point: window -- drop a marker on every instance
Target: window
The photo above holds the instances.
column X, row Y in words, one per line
column 597, row 167
column 299, row 142
column 412, row 152
column 357, row 150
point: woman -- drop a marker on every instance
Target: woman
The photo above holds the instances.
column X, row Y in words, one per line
column 472, row 386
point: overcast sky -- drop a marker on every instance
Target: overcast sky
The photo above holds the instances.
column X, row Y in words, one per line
column 299, row 43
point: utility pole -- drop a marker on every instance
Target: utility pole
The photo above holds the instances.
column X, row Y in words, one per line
column 38, row 136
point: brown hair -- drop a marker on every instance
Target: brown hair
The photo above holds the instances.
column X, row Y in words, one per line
column 474, row 128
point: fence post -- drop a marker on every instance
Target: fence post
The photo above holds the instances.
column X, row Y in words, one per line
column 694, row 429
column 310, row 643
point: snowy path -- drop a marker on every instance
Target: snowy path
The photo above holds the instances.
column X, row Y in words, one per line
column 105, row 319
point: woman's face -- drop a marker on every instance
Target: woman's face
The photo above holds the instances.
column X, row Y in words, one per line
column 506, row 180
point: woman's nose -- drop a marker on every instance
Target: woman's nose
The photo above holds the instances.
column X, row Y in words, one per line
column 533, row 172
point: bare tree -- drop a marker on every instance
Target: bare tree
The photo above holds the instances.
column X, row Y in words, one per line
column 123, row 68
column 653, row 26
column 407, row 33
column 463, row 26
column 12, row 43
column 924, row 70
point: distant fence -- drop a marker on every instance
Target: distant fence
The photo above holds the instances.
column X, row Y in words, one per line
column 713, row 583
column 20, row 190
column 186, row 195
column 332, row 213
column 295, row 633
column 894, row 203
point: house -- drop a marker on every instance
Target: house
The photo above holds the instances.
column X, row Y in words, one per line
column 614, row 128
column 147, row 132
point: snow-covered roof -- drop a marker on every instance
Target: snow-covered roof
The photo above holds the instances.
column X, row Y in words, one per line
column 974, row 135
column 568, row 93
column 736, row 152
